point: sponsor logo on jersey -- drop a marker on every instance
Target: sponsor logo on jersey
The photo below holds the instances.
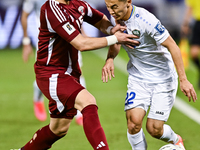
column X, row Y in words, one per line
column 68, row 28
column 136, row 32
column 159, row 112
column 160, row 28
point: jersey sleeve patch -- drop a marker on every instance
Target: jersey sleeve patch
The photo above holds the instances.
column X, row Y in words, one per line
column 68, row 28
column 160, row 28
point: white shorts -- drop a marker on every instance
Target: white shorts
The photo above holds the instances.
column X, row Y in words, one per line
column 159, row 97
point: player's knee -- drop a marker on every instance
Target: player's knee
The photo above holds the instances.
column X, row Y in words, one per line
column 84, row 99
column 154, row 130
column 134, row 127
column 61, row 131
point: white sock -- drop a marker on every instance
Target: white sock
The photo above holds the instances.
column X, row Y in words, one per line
column 37, row 94
column 137, row 141
column 168, row 134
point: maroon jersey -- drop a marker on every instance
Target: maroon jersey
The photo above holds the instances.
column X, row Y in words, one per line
column 60, row 24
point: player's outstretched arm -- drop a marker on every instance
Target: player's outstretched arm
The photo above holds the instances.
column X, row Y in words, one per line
column 83, row 43
column 186, row 87
column 108, row 68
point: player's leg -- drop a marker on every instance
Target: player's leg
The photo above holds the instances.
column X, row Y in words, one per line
column 136, row 105
column 86, row 103
column 162, row 101
column 79, row 116
column 38, row 101
column 46, row 136
column 159, row 130
column 135, row 133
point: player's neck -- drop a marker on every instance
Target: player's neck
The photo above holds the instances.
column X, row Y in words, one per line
column 128, row 14
column 63, row 1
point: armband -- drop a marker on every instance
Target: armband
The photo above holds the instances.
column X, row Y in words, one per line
column 26, row 41
column 112, row 39
column 108, row 30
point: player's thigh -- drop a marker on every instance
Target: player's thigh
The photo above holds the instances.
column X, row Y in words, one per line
column 163, row 99
column 61, row 91
column 137, row 96
column 83, row 99
column 59, row 126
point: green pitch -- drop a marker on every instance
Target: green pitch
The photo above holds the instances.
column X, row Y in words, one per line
column 18, row 124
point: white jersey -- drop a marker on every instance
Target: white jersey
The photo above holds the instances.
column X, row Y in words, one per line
column 150, row 61
column 33, row 5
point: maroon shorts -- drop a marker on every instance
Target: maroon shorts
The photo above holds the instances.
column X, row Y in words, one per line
column 61, row 91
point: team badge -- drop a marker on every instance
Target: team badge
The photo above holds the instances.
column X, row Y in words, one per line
column 81, row 9
column 160, row 28
column 68, row 28
column 136, row 32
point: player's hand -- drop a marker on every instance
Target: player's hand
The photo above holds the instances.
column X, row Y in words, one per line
column 108, row 70
column 26, row 52
column 127, row 39
column 188, row 89
column 116, row 28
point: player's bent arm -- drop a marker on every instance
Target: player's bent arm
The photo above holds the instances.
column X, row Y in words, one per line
column 113, row 51
column 108, row 68
column 185, row 85
column 171, row 45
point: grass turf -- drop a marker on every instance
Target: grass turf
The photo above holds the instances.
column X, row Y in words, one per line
column 18, row 124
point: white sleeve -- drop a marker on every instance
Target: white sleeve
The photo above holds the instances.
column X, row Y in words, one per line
column 157, row 31
column 28, row 6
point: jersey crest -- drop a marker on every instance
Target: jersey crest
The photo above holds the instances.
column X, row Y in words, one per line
column 136, row 32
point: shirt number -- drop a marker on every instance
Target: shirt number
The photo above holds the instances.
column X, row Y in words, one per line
column 129, row 98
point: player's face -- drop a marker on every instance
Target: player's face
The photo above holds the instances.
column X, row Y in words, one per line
column 119, row 9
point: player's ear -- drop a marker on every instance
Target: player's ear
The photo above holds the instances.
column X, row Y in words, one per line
column 129, row 2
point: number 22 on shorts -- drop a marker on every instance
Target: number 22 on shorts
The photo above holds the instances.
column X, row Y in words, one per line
column 129, row 98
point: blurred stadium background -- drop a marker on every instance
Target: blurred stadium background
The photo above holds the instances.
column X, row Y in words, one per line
column 170, row 12
column 17, row 121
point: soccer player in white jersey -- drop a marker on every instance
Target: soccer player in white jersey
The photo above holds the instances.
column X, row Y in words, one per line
column 39, row 109
column 28, row 7
column 152, row 81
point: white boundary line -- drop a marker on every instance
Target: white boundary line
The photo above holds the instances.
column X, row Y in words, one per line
column 188, row 110
column 179, row 104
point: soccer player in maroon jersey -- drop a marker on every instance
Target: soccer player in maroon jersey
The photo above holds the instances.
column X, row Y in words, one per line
column 57, row 69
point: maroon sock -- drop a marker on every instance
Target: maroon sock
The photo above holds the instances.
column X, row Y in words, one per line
column 92, row 127
column 42, row 140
